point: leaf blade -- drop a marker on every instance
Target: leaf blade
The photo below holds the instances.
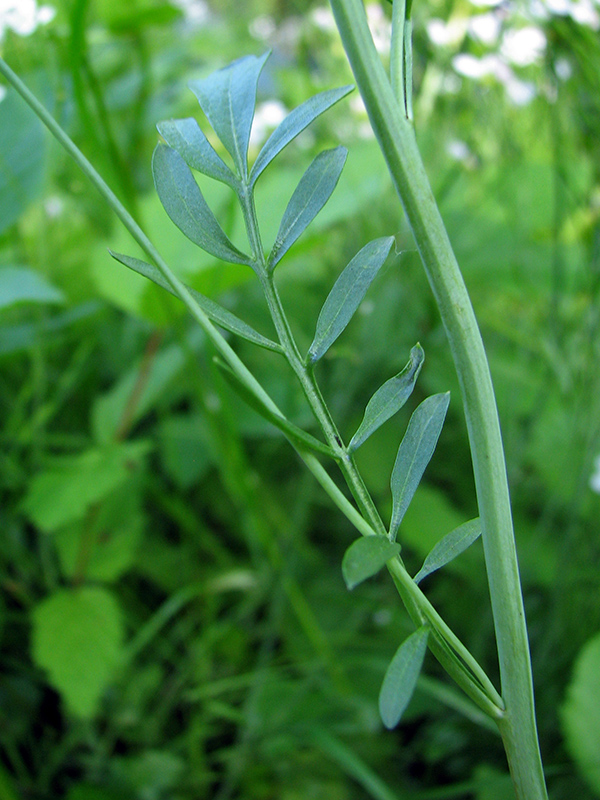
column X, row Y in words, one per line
column 187, row 138
column 401, row 677
column 313, row 191
column 184, row 203
column 389, row 398
column 449, row 547
column 295, row 122
column 228, row 98
column 415, row 452
column 221, row 316
column 365, row 557
column 347, row 294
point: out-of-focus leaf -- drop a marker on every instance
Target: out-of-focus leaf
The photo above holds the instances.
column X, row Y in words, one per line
column 347, row 294
column 228, row 97
column 452, row 545
column 295, row 122
column 401, row 677
column 183, row 201
column 365, row 557
column 186, row 136
column 415, row 453
column 314, row 190
column 389, row 398
column 22, row 285
column 225, row 319
column 77, row 637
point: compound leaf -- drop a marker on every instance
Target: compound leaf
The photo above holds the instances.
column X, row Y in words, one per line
column 186, row 136
column 452, row 545
column 401, row 677
column 365, row 557
column 389, row 398
column 295, row 122
column 415, row 453
column 347, row 294
column 314, row 190
column 228, row 97
column 221, row 316
column 183, row 201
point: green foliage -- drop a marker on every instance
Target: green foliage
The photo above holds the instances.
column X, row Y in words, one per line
column 401, row 677
column 366, row 557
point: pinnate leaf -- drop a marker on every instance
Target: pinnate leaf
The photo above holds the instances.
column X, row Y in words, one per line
column 452, row 545
column 401, row 677
column 221, row 316
column 365, row 557
column 389, row 398
column 228, row 97
column 183, row 201
column 415, row 453
column 186, row 136
column 314, row 190
column 347, row 294
column 295, row 122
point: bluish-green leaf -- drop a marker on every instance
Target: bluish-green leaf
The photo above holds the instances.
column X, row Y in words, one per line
column 365, row 557
column 228, row 97
column 401, row 677
column 23, row 285
column 186, row 136
column 452, row 545
column 415, row 453
column 389, row 398
column 314, row 190
column 183, row 201
column 221, row 316
column 347, row 294
column 295, row 122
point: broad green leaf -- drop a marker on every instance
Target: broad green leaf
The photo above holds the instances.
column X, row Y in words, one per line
column 77, row 638
column 183, row 201
column 389, row 398
column 347, row 294
column 314, row 190
column 365, row 557
column 22, row 285
column 295, row 433
column 401, row 677
column 228, row 97
column 452, row 545
column 225, row 319
column 186, row 136
column 580, row 713
column 295, row 122
column 415, row 453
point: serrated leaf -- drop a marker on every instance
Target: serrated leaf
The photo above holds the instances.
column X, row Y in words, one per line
column 452, row 545
column 228, row 98
column 389, row 398
column 293, row 431
column 415, row 453
column 295, row 122
column 221, row 316
column 186, row 136
column 347, row 294
column 365, row 557
column 77, row 637
column 314, row 190
column 401, row 677
column 183, row 201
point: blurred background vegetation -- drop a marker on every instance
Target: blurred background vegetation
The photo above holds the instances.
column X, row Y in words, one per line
column 173, row 621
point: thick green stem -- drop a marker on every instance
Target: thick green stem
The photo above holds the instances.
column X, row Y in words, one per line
column 398, row 143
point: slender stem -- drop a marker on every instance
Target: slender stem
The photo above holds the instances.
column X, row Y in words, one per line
column 398, row 144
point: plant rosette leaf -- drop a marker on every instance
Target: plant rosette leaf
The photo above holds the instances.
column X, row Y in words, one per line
column 401, row 677
column 414, row 454
column 389, row 398
column 448, row 548
column 347, row 294
column 365, row 557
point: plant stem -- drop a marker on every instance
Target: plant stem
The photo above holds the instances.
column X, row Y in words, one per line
column 398, row 143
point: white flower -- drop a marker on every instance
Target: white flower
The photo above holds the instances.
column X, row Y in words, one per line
column 23, row 16
column 267, row 116
column 523, row 46
column 447, row 33
column 485, row 27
